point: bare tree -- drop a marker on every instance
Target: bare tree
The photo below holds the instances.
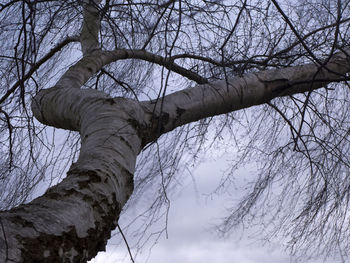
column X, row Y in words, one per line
column 124, row 73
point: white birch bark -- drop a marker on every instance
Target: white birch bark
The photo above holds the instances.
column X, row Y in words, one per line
column 73, row 220
column 91, row 26
column 236, row 93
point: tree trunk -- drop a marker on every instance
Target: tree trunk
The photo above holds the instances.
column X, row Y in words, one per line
column 73, row 220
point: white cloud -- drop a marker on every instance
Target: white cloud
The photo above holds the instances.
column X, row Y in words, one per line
column 190, row 239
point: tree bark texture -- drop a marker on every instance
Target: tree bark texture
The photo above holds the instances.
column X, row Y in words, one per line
column 73, row 220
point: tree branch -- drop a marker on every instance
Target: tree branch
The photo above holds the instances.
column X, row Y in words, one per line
column 91, row 26
column 236, row 93
column 85, row 68
column 36, row 66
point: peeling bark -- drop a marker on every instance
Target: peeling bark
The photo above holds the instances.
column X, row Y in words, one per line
column 70, row 223
column 73, row 220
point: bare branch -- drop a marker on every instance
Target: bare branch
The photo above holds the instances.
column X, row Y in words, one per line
column 236, row 93
column 91, row 26
column 35, row 67
column 84, row 69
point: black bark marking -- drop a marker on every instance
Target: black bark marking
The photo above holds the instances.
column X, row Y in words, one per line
column 126, row 142
column 141, row 129
column 93, row 177
column 86, row 183
column 53, row 195
column 67, row 246
column 179, row 112
column 18, row 220
column 155, row 129
column 110, row 101
column 160, row 122
column 134, row 123
column 57, row 248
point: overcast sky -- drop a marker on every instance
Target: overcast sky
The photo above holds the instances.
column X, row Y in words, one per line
column 192, row 238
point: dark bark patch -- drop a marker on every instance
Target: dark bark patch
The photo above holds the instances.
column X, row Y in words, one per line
column 71, row 191
column 179, row 112
column 134, row 123
column 97, row 206
column 110, row 101
column 18, row 220
column 142, row 130
column 88, row 199
column 52, row 195
column 164, row 118
column 59, row 248
column 126, row 142
column 66, row 245
column 92, row 177
column 159, row 122
column 48, row 248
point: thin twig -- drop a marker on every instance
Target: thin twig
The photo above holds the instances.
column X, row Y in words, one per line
column 126, row 243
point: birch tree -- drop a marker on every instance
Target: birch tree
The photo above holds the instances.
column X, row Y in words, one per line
column 124, row 74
